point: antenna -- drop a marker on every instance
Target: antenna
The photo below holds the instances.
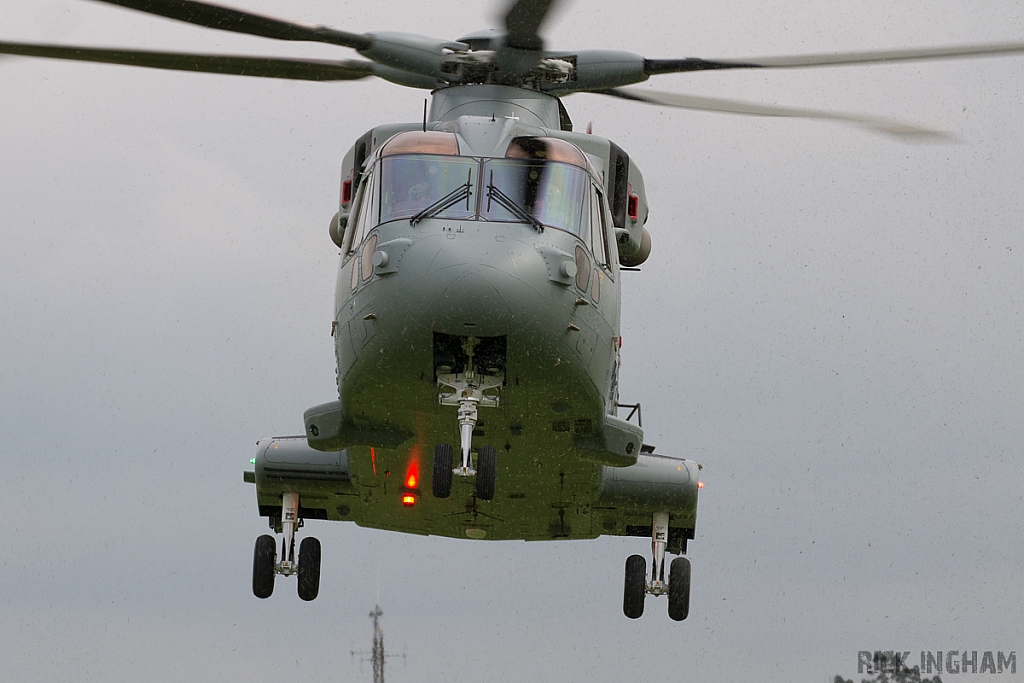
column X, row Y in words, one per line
column 424, row 115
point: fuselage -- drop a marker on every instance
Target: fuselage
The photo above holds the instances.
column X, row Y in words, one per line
column 541, row 297
column 482, row 246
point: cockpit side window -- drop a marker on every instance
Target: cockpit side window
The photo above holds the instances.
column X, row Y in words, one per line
column 353, row 220
column 599, row 228
column 363, row 210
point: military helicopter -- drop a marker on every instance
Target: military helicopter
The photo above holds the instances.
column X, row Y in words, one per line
column 476, row 325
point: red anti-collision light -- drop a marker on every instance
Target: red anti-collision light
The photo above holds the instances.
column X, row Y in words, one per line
column 633, row 206
column 346, row 191
column 412, row 478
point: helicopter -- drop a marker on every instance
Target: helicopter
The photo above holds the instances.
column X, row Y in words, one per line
column 476, row 327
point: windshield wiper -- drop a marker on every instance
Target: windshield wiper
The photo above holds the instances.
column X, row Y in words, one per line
column 449, row 200
column 493, row 193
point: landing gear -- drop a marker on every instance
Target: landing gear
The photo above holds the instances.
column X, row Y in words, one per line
column 266, row 563
column 637, row 587
column 466, row 390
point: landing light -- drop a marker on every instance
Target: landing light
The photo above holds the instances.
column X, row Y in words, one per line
column 408, row 499
column 700, row 484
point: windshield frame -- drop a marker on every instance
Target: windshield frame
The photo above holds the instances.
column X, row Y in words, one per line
column 365, row 218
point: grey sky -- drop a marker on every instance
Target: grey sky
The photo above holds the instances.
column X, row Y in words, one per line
column 830, row 322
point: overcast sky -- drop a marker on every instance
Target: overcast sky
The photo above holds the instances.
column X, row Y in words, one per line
column 830, row 322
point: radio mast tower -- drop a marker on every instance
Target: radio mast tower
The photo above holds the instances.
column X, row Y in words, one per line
column 377, row 657
column 377, row 654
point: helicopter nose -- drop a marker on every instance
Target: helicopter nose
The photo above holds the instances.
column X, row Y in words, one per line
column 472, row 302
column 474, row 286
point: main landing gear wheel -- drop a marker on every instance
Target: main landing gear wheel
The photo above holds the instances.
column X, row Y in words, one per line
column 265, row 564
column 636, row 587
column 309, row 568
column 441, row 483
column 486, row 472
column 263, row 560
column 679, row 589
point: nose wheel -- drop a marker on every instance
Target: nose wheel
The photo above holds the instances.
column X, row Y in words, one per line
column 267, row 564
column 486, row 471
column 637, row 586
column 441, row 484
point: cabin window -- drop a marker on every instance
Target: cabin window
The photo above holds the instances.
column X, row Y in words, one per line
column 554, row 193
column 410, row 184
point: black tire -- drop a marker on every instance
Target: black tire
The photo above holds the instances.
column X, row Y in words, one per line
column 679, row 589
column 309, row 569
column 636, row 584
column 263, row 559
column 441, row 482
column 486, row 472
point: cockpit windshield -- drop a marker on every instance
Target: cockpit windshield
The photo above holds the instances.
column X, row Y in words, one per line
column 542, row 181
column 411, row 184
column 553, row 193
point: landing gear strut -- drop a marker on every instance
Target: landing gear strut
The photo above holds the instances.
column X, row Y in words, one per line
column 637, row 587
column 266, row 563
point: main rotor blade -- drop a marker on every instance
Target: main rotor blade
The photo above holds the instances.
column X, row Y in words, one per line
column 523, row 46
column 265, row 67
column 667, row 66
column 522, row 23
column 241, row 21
column 901, row 129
